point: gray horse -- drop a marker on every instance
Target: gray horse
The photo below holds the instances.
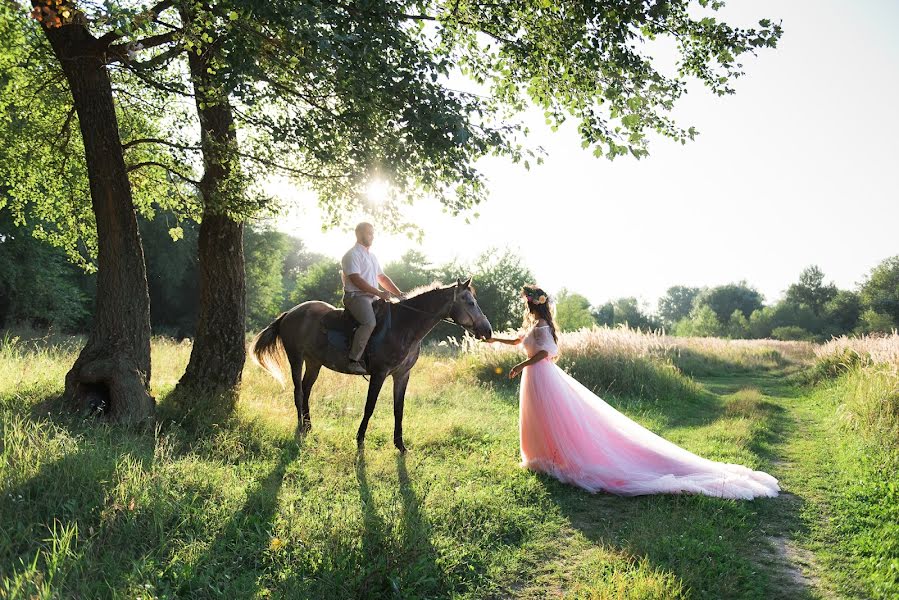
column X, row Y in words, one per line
column 306, row 334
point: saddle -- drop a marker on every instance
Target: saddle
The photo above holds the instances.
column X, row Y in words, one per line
column 339, row 326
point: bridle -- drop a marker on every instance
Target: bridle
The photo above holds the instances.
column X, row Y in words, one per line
column 447, row 319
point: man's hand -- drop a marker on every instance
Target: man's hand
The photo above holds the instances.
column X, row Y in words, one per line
column 384, row 295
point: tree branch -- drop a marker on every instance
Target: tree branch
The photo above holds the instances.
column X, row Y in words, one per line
column 155, row 84
column 66, row 128
column 153, row 163
column 148, row 42
column 110, row 36
column 478, row 26
column 151, row 63
column 127, row 145
column 287, row 169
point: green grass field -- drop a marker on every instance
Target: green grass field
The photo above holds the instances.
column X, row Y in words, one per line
column 245, row 510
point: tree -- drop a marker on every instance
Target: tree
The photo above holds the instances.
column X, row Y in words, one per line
column 842, row 312
column 320, row 282
column 412, row 270
column 872, row 321
column 170, row 252
column 297, row 260
column 37, row 284
column 265, row 254
column 791, row 332
column 811, row 290
column 761, row 323
column 702, row 322
column 880, row 292
column 115, row 362
column 737, row 326
column 725, row 299
column 498, row 278
column 604, row 315
column 572, row 311
column 355, row 92
column 628, row 312
column 676, row 303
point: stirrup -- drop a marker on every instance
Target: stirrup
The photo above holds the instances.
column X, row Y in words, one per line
column 352, row 368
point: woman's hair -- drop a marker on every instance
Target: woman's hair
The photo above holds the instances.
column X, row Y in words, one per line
column 538, row 307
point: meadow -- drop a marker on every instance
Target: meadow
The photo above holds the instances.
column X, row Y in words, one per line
column 242, row 508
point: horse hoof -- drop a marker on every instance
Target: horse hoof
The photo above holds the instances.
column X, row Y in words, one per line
column 400, row 446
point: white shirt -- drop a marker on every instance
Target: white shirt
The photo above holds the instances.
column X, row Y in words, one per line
column 361, row 261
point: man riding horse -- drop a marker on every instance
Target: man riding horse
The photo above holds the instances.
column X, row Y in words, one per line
column 361, row 275
column 315, row 334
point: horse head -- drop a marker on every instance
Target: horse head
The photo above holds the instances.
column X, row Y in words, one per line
column 466, row 312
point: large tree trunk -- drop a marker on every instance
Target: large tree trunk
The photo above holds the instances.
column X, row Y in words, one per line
column 219, row 349
column 113, row 369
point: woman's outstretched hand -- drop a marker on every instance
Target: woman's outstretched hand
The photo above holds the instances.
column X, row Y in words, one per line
column 511, row 342
column 515, row 371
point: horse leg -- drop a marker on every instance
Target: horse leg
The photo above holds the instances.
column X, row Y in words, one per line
column 296, row 372
column 374, row 388
column 400, row 381
column 309, row 377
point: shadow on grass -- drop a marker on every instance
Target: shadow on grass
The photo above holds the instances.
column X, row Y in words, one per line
column 399, row 561
column 713, row 546
column 717, row 548
column 774, row 384
column 233, row 563
column 69, row 490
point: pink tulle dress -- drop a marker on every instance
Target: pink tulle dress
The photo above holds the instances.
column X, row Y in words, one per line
column 573, row 435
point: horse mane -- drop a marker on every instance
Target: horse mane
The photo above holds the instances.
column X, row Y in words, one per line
column 423, row 289
column 430, row 287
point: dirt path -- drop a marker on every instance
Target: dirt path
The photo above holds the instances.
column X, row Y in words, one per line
column 799, row 458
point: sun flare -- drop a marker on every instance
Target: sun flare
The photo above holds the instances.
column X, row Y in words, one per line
column 377, row 191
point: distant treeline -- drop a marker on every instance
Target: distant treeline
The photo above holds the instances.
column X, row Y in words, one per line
column 41, row 288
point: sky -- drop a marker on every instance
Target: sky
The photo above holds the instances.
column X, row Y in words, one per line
column 799, row 167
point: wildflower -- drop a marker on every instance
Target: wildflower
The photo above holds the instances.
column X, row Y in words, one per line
column 276, row 544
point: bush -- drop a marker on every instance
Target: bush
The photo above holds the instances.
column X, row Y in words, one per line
column 702, row 322
column 791, row 333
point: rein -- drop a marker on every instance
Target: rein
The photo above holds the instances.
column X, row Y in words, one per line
column 424, row 312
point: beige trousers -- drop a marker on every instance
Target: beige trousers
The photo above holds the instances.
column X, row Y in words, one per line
column 360, row 306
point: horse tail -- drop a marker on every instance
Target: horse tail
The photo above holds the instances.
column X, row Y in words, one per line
column 268, row 352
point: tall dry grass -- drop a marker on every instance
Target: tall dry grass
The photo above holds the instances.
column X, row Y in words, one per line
column 868, row 384
column 628, row 362
column 882, row 349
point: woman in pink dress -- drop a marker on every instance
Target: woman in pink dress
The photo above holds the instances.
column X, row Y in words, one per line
column 573, row 435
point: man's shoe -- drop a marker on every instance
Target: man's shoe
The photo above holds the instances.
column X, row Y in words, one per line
column 355, row 367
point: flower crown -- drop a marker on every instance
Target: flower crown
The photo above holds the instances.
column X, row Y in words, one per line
column 535, row 296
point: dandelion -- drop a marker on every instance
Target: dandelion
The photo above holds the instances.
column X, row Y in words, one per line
column 498, row 370
column 276, row 544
